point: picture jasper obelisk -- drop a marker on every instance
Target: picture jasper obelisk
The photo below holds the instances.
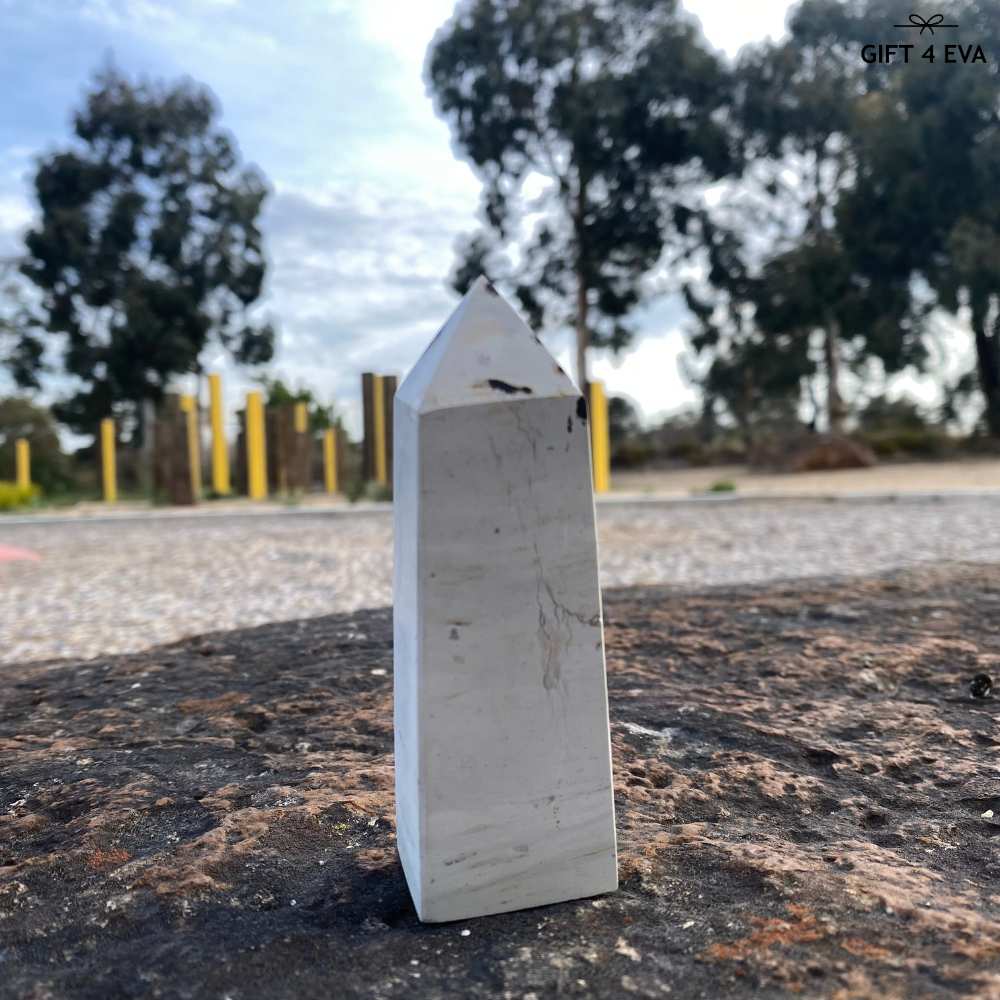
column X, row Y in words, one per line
column 503, row 764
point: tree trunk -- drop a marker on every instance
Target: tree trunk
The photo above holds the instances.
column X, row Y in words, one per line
column 582, row 305
column 147, row 420
column 707, row 423
column 582, row 334
column 988, row 363
column 835, row 409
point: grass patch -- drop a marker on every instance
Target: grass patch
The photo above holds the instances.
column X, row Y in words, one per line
column 722, row 486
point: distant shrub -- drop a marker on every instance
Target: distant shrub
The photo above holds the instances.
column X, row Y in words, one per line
column 981, row 444
column 630, row 454
column 13, row 496
column 828, row 452
column 689, row 450
column 903, row 442
column 357, row 489
column 885, row 414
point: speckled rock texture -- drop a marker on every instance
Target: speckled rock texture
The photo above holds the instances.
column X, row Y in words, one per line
column 808, row 804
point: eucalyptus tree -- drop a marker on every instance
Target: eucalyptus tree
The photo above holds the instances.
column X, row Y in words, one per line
column 925, row 204
column 796, row 272
column 589, row 123
column 148, row 247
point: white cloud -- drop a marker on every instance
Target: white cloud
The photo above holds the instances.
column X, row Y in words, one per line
column 730, row 26
column 15, row 217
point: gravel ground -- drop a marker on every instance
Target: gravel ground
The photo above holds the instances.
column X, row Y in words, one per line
column 101, row 587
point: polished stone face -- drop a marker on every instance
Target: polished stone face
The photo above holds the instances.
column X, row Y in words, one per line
column 503, row 775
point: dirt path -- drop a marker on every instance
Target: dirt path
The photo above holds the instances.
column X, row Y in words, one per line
column 912, row 477
column 807, row 798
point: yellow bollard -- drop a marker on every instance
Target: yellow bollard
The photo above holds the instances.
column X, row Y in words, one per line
column 600, row 441
column 22, row 460
column 109, row 469
column 301, row 418
column 330, row 460
column 368, row 416
column 220, row 454
column 378, row 424
column 256, row 448
column 388, row 409
column 189, row 406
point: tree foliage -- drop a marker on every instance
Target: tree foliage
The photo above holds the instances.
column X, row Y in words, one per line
column 623, row 420
column 925, row 201
column 878, row 184
column 277, row 393
column 148, row 247
column 588, row 123
column 789, row 296
column 22, row 335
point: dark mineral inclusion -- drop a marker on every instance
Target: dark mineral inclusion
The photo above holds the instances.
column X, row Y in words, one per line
column 981, row 686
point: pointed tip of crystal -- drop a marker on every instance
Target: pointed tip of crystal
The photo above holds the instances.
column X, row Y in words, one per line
column 485, row 353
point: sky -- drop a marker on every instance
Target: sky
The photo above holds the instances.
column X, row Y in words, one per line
column 327, row 97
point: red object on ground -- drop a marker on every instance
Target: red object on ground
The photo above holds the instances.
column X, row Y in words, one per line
column 8, row 553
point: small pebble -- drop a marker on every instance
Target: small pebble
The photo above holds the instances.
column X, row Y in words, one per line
column 465, row 933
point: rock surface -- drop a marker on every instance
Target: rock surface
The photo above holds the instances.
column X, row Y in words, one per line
column 808, row 804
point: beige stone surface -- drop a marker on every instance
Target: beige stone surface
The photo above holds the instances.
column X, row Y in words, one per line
column 908, row 477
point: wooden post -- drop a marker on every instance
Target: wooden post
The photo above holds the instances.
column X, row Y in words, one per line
column 504, row 796
column 189, row 407
column 22, row 461
column 109, row 469
column 256, row 448
column 368, row 415
column 330, row 460
column 174, row 469
column 278, row 433
column 241, row 468
column 220, row 453
column 600, row 437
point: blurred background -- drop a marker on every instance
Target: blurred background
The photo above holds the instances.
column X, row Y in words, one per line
column 776, row 249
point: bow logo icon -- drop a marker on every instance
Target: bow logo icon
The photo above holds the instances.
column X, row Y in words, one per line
column 926, row 23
